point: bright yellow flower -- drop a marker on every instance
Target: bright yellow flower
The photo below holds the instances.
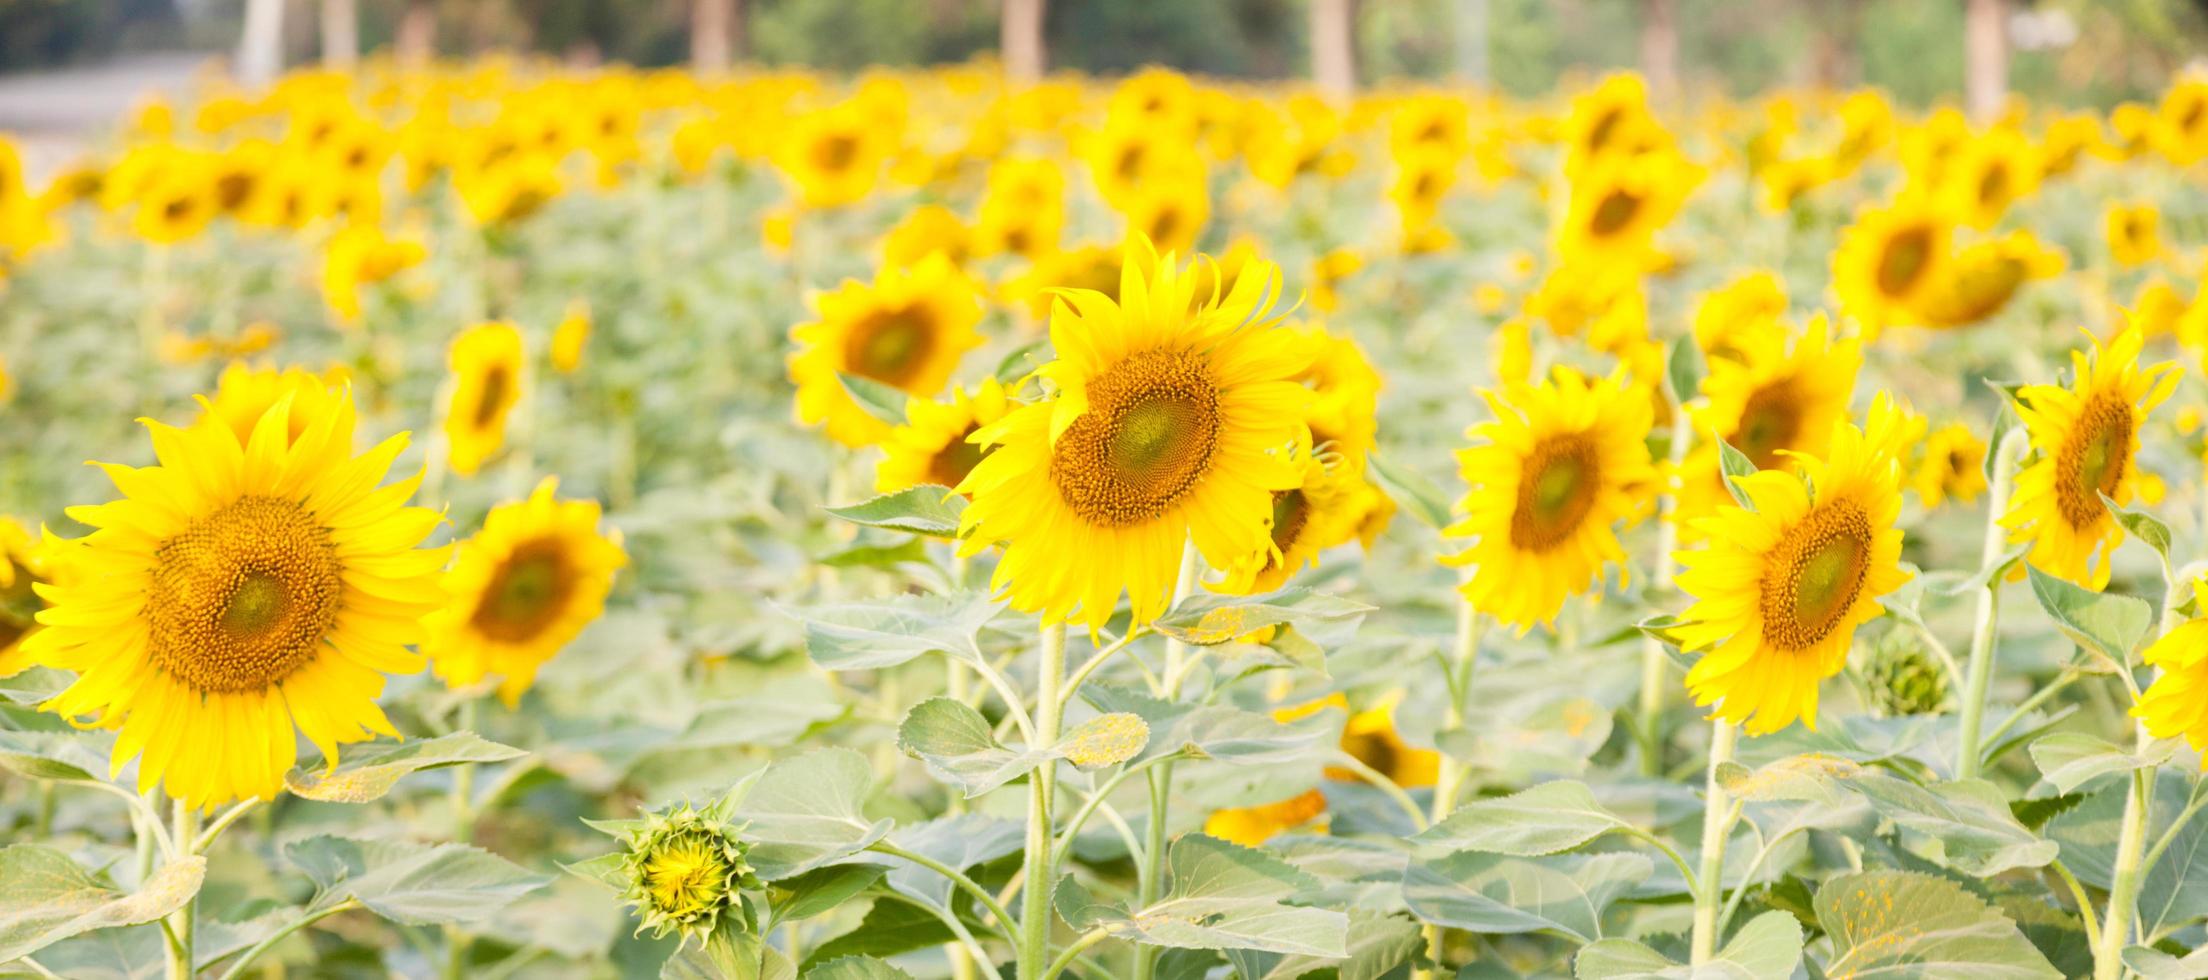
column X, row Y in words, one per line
column 1950, row 468
column 1756, row 299
column 2134, row 232
column 835, row 155
column 487, row 382
column 570, row 336
column 1323, row 511
column 1890, row 258
column 932, row 447
column 1981, row 279
column 358, row 255
column 1774, row 399
column 924, row 230
column 2176, row 704
column 907, row 329
column 23, row 564
column 243, row 394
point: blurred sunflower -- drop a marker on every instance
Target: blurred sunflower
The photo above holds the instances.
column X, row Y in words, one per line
column 176, row 203
column 1171, row 214
column 1981, row 279
column 487, row 382
column 1949, row 468
column 1369, row 736
column 834, row 156
column 1774, row 399
column 1321, row 512
column 1987, row 175
column 237, row 594
column 2134, row 232
column 1090, row 267
column 1553, row 474
column 932, row 447
column 1169, row 420
column 521, row 589
column 1345, row 397
column 2086, row 439
column 570, row 336
column 2176, row 704
column 23, row 565
column 1781, row 586
column 927, row 229
column 1888, row 260
column 243, row 394
column 1023, row 211
column 1619, row 203
column 359, row 255
column 1752, row 300
column 907, row 329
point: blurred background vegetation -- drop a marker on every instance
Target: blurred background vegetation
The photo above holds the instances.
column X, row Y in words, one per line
column 2079, row 52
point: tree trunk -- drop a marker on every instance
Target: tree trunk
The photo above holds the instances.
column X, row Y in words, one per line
column 1836, row 62
column 1985, row 58
column 1334, row 48
column 1660, row 48
column 416, row 39
column 1021, row 40
column 1472, row 18
column 260, row 49
column 340, row 33
column 710, row 22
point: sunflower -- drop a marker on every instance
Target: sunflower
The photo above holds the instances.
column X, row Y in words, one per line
column 177, row 201
column 1423, row 177
column 1561, row 464
column 925, row 229
column 835, row 155
column 1023, row 212
column 1949, row 468
column 243, row 394
column 932, row 447
column 1781, row 586
column 1619, row 203
column 2177, row 702
column 487, row 383
column 1089, row 267
column 237, row 593
column 1345, row 390
column 570, row 336
column 1753, row 300
column 1323, row 511
column 1981, row 279
column 1171, row 214
column 522, row 588
column 1612, row 119
column 359, row 255
column 1889, row 259
column 2180, row 128
column 1252, row 826
column 1773, row 400
column 2086, row 439
column 1170, row 420
column 1988, row 174
column 1127, row 157
column 907, row 329
column 1369, row 736
column 2134, row 232
column 23, row 565
column 1328, row 272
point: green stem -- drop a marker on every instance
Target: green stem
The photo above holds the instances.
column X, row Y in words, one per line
column 181, row 964
column 2123, row 888
column 221, row 823
column 1717, row 816
column 1968, row 758
column 1089, row 666
column 1380, row 781
column 1097, row 799
column 2085, row 904
column 1066, row 958
column 2039, row 697
column 957, row 878
column 1150, row 874
column 1653, row 660
column 245, row 959
column 1040, row 875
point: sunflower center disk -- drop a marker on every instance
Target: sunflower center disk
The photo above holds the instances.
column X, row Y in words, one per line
column 1769, row 422
column 889, row 347
column 526, row 594
column 1556, row 489
column 496, row 383
column 836, row 152
column 1614, row 212
column 1815, row 573
column 2093, row 461
column 951, row 464
column 1149, row 435
column 244, row 598
column 685, row 878
column 1903, row 260
column 1291, row 511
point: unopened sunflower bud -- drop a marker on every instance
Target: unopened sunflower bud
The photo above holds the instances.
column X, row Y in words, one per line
column 1904, row 679
column 1107, row 740
column 686, row 869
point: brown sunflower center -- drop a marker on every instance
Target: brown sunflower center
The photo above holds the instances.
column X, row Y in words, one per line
column 1149, row 435
column 232, row 190
column 526, row 594
column 1993, row 186
column 1903, row 261
column 889, row 346
column 1769, row 422
column 836, row 152
column 1614, row 212
column 2092, row 461
column 244, row 597
column 1556, row 489
column 498, row 382
column 1165, row 223
column 19, row 607
column 1814, row 575
column 1291, row 512
column 956, row 459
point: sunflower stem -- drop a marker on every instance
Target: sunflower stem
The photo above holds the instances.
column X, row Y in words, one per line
column 186, row 828
column 1040, row 874
column 1659, row 583
column 2123, row 888
column 1464, row 655
column 1980, row 672
column 1150, row 874
column 1717, row 818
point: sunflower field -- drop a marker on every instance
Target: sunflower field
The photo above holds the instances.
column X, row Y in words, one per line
column 620, row 523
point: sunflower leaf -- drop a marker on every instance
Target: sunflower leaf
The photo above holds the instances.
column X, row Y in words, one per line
column 2154, row 964
column 1988, row 576
column 1500, row 894
column 1548, row 818
column 1905, row 923
column 1683, row 370
column 411, row 884
column 1378, row 943
column 2069, row 760
column 1732, row 464
column 69, row 757
column 1970, row 818
column 877, row 399
column 45, row 897
column 926, row 509
column 1770, row 945
column 806, row 812
column 1421, row 496
column 2111, row 625
column 856, row 968
column 956, row 744
column 874, row 635
column 1226, row 896
column 2142, row 525
column 367, row 773
column 1211, row 619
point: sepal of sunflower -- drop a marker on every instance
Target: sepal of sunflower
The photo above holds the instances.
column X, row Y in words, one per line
column 686, row 872
column 1903, row 678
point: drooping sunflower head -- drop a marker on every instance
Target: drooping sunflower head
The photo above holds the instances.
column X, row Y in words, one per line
column 1552, row 475
column 1776, row 398
column 1168, row 418
column 2085, row 440
column 1889, row 258
column 1321, row 512
column 1980, row 280
column 487, row 382
column 934, row 445
column 237, row 595
column 1949, row 467
column 907, row 329
column 686, row 869
column 1780, row 586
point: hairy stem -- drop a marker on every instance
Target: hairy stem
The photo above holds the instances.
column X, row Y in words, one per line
column 1717, row 816
column 1969, row 755
column 1040, row 873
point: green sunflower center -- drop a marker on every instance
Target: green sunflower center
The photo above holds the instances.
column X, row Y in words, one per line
column 2093, row 460
column 1814, row 576
column 526, row 594
column 890, row 346
column 1557, row 484
column 1149, row 436
column 244, row 597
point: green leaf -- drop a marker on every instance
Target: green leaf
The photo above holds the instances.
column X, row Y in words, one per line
column 1732, row 464
column 889, row 928
column 70, row 757
column 1807, row 778
column 408, row 883
column 871, row 636
column 2154, row 964
column 1683, row 370
column 368, row 772
column 1105, row 740
column 955, row 742
column 2142, row 525
column 1019, row 362
column 1904, row 924
column 2003, row 422
column 45, row 898
column 1421, row 498
column 609, row 870
column 1378, row 944
column 856, row 968
column 877, row 399
column 1218, row 732
column 926, row 509
column 729, row 954
column 1769, row 947
column 2113, row 625
column 2069, row 760
column 1970, row 818
column 1226, row 896
column 1546, row 819
column 821, row 890
column 959, row 842
column 877, row 555
column 1208, row 619
column 805, row 812
column 1495, row 893
column 1661, row 626
column 1988, row 576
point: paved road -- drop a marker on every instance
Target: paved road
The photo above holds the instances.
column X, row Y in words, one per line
column 54, row 115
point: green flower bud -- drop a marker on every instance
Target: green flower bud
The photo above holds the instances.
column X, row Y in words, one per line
column 1904, row 678
column 686, row 868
